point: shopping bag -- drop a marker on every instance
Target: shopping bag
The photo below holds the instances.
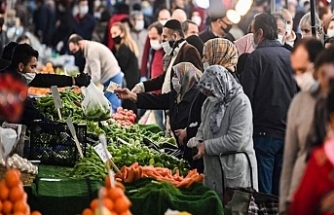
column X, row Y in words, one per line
column 95, row 105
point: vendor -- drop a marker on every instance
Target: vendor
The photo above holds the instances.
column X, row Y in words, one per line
column 23, row 65
column 101, row 64
column 183, row 101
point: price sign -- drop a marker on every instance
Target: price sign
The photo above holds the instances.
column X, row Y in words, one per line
column 99, row 149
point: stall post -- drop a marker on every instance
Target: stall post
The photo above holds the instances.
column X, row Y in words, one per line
column 312, row 3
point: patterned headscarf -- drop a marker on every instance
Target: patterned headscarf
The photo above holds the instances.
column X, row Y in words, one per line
column 220, row 82
column 221, row 52
column 188, row 76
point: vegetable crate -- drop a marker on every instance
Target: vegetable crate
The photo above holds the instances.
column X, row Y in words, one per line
column 52, row 143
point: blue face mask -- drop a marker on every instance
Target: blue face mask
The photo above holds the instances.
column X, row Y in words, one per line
column 148, row 11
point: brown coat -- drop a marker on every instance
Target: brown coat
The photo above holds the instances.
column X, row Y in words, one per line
column 187, row 53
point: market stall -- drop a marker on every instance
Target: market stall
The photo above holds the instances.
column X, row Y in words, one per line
column 73, row 165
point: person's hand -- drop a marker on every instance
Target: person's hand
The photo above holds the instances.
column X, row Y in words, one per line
column 82, row 80
column 201, row 151
column 181, row 135
column 125, row 93
column 137, row 89
column 193, row 142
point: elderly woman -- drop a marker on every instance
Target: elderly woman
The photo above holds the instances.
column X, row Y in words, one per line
column 226, row 126
column 305, row 26
column 221, row 52
column 184, row 103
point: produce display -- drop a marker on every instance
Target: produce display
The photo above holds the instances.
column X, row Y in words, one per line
column 113, row 200
column 13, row 199
column 124, row 117
column 98, row 112
column 135, row 172
column 21, row 164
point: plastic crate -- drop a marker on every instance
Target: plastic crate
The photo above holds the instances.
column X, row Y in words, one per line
column 52, row 143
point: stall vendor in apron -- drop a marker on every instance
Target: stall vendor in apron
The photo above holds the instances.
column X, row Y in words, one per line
column 101, row 65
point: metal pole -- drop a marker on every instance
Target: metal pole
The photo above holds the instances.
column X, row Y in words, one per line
column 168, row 4
column 272, row 6
column 313, row 27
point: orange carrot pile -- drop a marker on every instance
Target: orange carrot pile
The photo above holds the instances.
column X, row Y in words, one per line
column 135, row 172
column 13, row 199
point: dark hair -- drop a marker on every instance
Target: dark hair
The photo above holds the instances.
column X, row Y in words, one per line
column 185, row 25
column 195, row 41
column 75, row 39
column 215, row 18
column 156, row 25
column 329, row 40
column 267, row 23
column 22, row 38
column 323, row 108
column 23, row 54
column 324, row 57
column 7, row 52
column 312, row 46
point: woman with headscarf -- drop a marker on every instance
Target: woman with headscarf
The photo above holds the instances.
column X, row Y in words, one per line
column 219, row 51
column 184, row 102
column 226, row 126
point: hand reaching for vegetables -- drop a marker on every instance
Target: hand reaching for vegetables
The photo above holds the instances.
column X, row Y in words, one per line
column 125, row 93
column 82, row 80
column 181, row 135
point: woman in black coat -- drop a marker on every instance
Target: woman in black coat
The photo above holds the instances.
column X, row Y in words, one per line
column 184, row 103
column 126, row 53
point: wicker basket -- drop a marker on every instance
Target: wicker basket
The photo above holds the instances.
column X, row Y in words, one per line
column 26, row 178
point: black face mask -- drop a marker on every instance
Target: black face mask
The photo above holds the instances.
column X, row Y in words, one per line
column 228, row 27
column 117, row 40
column 79, row 53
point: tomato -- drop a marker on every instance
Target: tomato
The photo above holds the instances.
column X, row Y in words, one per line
column 119, row 109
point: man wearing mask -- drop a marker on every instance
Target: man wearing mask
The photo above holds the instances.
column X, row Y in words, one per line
column 300, row 118
column 291, row 37
column 23, row 65
column 268, row 82
column 189, row 28
column 219, row 27
column 282, row 30
column 176, row 50
column 138, row 33
column 101, row 64
column 84, row 23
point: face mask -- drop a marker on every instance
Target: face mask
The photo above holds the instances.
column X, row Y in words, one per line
column 197, row 20
column 139, row 25
column 176, row 84
column 288, row 30
column 305, row 81
column 97, row 15
column 163, row 22
column 117, row 40
column 83, row 10
column 155, row 44
column 330, row 32
column 167, row 48
column 280, row 38
column 213, row 99
column 228, row 27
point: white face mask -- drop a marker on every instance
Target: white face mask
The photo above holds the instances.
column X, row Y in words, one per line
column 139, row 25
column 83, row 10
column 155, row 44
column 305, row 81
column 97, row 15
column 197, row 20
column 280, row 38
column 163, row 22
column 213, row 99
column 330, row 32
column 176, row 84
column 167, row 49
column 288, row 30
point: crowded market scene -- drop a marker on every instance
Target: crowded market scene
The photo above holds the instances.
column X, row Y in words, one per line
column 166, row 107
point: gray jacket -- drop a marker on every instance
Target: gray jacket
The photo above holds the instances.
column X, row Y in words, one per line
column 235, row 135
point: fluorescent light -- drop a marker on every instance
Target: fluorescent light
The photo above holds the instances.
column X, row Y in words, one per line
column 243, row 6
column 233, row 16
column 205, row 4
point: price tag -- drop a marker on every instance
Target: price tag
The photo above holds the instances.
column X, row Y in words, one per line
column 99, row 149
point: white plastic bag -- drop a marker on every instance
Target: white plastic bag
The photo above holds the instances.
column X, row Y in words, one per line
column 95, row 105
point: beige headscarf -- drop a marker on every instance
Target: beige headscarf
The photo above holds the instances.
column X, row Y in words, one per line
column 221, row 52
